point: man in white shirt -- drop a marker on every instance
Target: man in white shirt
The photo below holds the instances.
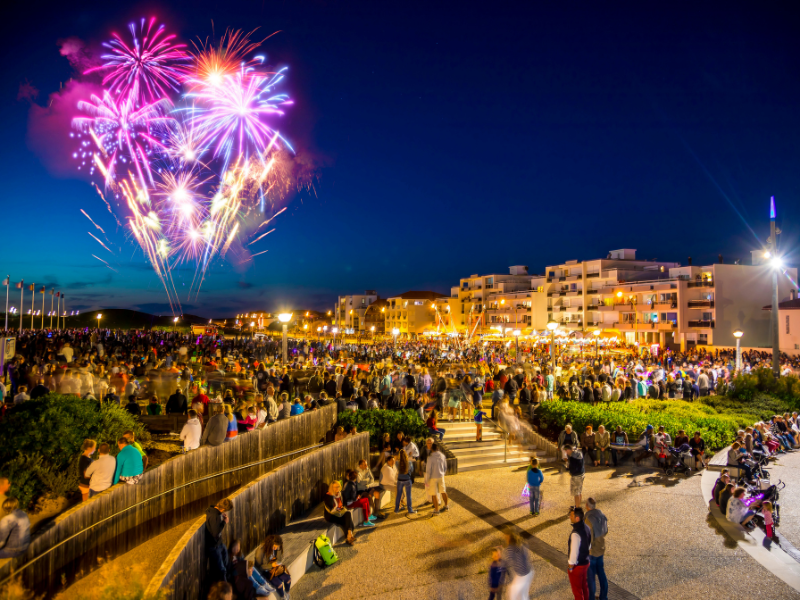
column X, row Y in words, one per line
column 67, row 352
column 22, row 396
column 702, row 383
column 413, row 455
column 101, row 471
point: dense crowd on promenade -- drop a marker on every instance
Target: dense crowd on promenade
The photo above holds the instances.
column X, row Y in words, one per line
column 230, row 386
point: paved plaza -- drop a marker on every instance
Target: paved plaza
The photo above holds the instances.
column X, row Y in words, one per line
column 662, row 543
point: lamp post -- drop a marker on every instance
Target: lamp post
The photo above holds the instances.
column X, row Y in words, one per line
column 516, row 334
column 596, row 334
column 738, row 335
column 99, row 316
column 319, row 330
column 776, row 263
column 552, row 326
column 372, row 329
column 335, row 330
column 395, row 331
column 174, row 324
column 284, row 318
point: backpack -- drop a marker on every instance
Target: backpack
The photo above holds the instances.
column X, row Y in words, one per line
column 324, row 554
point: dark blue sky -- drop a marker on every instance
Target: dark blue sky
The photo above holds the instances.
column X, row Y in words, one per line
column 453, row 138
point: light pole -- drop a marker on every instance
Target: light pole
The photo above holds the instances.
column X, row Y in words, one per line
column 174, row 323
column 516, row 334
column 99, row 316
column 596, row 334
column 776, row 263
column 284, row 318
column 552, row 326
column 372, row 329
column 335, row 330
column 319, row 330
column 738, row 335
column 395, row 331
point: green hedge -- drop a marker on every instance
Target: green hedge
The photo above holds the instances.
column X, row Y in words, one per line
column 761, row 381
column 380, row 421
column 718, row 418
column 41, row 442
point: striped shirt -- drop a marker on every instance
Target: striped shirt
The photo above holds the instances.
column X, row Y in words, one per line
column 516, row 559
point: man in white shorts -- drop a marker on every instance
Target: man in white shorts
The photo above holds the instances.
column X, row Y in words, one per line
column 434, row 478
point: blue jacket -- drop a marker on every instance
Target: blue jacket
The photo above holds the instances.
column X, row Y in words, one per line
column 129, row 463
column 297, row 409
column 535, row 477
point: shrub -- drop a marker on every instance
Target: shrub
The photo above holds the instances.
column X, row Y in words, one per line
column 716, row 417
column 378, row 422
column 42, row 440
column 747, row 386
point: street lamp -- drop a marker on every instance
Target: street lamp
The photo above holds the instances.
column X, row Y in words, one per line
column 596, row 334
column 516, row 333
column 395, row 331
column 335, row 330
column 99, row 316
column 319, row 329
column 284, row 318
column 174, row 323
column 738, row 335
column 552, row 326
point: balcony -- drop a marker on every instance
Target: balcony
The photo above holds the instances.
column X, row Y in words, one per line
column 702, row 324
column 701, row 304
column 698, row 284
column 612, row 307
column 665, row 326
column 666, row 305
column 574, row 308
column 590, row 291
column 572, row 324
column 556, row 308
column 590, row 275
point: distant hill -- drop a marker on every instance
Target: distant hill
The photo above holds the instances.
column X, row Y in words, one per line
column 112, row 318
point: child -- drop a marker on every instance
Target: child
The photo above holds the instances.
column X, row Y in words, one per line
column 535, row 479
column 495, row 574
column 766, row 510
column 478, row 415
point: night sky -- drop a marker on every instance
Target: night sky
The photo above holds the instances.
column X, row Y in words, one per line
column 449, row 138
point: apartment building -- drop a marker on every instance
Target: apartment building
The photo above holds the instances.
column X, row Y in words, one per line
column 524, row 309
column 411, row 313
column 788, row 324
column 350, row 310
column 694, row 306
column 473, row 293
column 577, row 290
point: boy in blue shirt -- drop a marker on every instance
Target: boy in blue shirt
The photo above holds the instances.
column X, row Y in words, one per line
column 495, row 574
column 478, row 417
column 535, row 479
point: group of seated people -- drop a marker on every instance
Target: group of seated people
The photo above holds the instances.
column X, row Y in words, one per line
column 737, row 508
column 598, row 446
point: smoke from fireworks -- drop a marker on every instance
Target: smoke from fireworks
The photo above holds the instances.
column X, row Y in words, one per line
column 187, row 144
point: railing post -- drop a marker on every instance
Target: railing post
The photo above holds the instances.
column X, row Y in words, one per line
column 505, row 453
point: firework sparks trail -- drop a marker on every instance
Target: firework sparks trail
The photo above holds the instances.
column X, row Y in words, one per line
column 93, row 223
column 261, row 236
column 102, row 261
column 99, row 242
column 187, row 146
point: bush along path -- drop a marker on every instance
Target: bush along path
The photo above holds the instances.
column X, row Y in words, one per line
column 717, row 418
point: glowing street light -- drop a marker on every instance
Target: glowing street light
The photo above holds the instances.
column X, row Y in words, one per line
column 395, row 333
column 99, row 316
column 596, row 333
column 284, row 318
column 516, row 333
column 738, row 335
column 552, row 326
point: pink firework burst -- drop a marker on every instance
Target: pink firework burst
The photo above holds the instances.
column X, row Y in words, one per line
column 149, row 68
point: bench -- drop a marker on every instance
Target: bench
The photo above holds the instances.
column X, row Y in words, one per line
column 298, row 535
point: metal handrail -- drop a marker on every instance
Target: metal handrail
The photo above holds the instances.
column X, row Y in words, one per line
column 505, row 439
column 183, row 485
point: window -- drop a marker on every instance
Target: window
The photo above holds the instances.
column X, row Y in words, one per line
column 363, row 301
column 707, row 316
column 418, row 302
column 573, row 287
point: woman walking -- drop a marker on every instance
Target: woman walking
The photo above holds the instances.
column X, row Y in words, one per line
column 517, row 564
column 403, row 483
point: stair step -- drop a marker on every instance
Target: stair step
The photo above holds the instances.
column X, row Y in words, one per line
column 496, row 464
column 476, row 450
column 490, row 456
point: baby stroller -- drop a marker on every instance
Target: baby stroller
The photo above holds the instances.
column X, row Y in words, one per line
column 678, row 460
column 763, row 492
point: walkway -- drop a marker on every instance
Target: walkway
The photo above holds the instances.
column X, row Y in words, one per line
column 661, row 543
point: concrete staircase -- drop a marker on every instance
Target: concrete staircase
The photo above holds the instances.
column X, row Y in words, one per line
column 490, row 453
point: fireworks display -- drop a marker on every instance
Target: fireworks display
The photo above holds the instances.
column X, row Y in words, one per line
column 187, row 145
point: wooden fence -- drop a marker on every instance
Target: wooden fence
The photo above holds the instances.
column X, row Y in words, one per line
column 79, row 537
column 261, row 507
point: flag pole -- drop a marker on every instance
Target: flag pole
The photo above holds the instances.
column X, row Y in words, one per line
column 8, row 285
column 21, row 303
column 33, row 302
column 52, row 293
column 43, row 290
